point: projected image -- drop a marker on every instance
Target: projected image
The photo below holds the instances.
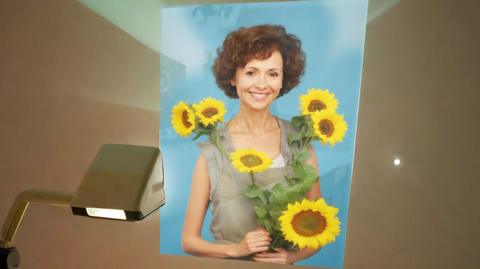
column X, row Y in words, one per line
column 259, row 105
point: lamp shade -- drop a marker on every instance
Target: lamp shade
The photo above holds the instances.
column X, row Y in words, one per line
column 123, row 182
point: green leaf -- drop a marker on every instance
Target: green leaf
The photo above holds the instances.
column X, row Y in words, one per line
column 294, row 196
column 303, row 155
column 294, row 136
column 280, row 194
column 309, row 171
column 291, row 180
column 296, row 192
column 306, row 183
column 298, row 170
column 306, row 186
column 257, row 202
column 310, row 133
column 260, row 212
column 294, row 188
column 273, row 201
column 276, row 212
column 297, row 122
column 266, row 194
column 253, row 191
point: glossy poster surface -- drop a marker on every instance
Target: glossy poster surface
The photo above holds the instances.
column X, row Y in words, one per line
column 332, row 37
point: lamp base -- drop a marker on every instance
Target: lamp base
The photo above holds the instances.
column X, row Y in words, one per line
column 9, row 258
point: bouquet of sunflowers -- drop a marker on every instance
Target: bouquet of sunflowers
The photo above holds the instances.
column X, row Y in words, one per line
column 283, row 211
column 202, row 118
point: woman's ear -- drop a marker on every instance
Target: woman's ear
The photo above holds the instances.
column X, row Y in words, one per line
column 233, row 82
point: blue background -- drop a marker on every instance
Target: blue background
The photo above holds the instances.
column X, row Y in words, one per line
column 332, row 34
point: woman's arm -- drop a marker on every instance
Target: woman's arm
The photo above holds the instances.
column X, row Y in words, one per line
column 284, row 256
column 192, row 242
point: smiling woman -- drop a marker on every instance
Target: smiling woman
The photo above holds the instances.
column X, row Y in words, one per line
column 259, row 43
column 256, row 65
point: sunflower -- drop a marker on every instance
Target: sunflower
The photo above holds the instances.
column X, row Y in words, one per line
column 329, row 126
column 310, row 224
column 250, row 161
column 210, row 111
column 183, row 119
column 317, row 100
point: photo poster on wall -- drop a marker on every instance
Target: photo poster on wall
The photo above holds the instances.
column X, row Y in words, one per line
column 237, row 198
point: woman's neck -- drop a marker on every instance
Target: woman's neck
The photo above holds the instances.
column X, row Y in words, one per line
column 253, row 121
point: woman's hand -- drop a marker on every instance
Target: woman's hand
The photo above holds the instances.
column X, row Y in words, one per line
column 253, row 242
column 280, row 255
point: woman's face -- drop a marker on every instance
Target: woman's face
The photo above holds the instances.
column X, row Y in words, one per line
column 260, row 81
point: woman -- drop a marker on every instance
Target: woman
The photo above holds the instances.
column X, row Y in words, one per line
column 256, row 65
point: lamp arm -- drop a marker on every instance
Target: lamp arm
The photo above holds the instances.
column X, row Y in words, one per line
column 19, row 206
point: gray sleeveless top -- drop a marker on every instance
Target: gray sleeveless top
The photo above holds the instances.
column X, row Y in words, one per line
column 232, row 214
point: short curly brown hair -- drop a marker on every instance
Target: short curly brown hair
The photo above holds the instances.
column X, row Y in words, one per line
column 259, row 42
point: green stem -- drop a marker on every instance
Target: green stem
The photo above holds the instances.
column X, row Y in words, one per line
column 252, row 177
column 277, row 236
column 215, row 139
column 307, row 143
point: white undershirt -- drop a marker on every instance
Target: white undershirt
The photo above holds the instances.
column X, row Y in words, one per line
column 278, row 162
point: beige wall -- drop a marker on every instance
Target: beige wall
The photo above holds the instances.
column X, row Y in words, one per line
column 419, row 98
column 71, row 81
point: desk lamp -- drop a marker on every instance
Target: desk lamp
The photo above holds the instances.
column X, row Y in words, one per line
column 124, row 182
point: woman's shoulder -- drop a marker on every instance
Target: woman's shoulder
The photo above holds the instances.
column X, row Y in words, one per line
column 207, row 149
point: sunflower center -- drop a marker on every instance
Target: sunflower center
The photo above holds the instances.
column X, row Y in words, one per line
column 309, row 223
column 326, row 127
column 316, row 105
column 185, row 121
column 251, row 160
column 210, row 112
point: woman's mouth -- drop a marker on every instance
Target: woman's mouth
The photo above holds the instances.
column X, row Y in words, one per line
column 257, row 96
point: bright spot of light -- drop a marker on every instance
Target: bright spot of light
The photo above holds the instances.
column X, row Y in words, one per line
column 106, row 213
column 396, row 161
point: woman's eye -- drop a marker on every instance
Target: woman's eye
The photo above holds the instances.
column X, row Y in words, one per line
column 250, row 73
column 274, row 74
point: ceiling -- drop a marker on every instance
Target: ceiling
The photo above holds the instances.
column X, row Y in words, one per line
column 141, row 19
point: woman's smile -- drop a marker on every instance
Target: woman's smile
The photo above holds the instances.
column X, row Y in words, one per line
column 259, row 96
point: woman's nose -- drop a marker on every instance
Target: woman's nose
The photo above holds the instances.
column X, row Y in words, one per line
column 261, row 82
